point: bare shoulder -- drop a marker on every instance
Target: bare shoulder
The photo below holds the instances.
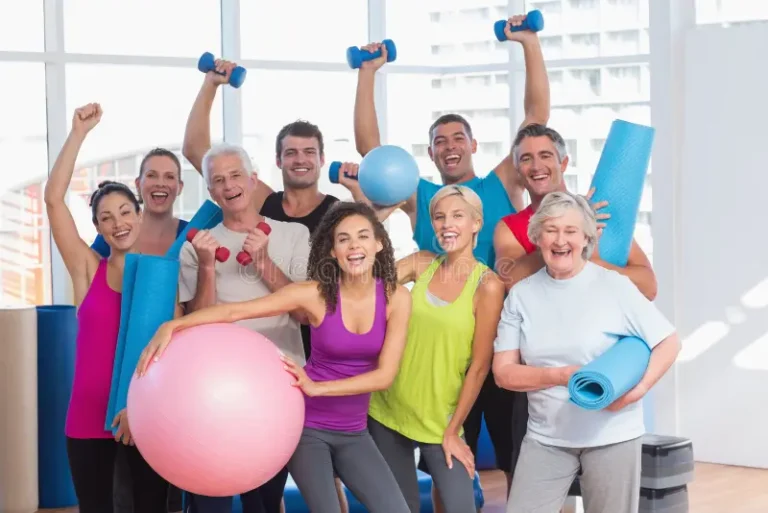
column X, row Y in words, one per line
column 491, row 285
column 422, row 260
column 400, row 299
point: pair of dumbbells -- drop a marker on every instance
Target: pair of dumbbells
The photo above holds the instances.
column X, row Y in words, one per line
column 222, row 253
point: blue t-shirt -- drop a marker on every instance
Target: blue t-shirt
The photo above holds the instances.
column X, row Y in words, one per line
column 496, row 204
column 101, row 247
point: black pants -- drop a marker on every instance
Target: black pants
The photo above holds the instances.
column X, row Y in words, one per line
column 264, row 499
column 92, row 463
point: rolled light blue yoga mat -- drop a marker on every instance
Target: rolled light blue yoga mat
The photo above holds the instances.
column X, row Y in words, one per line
column 610, row 375
column 207, row 216
column 619, row 179
column 56, row 346
column 149, row 300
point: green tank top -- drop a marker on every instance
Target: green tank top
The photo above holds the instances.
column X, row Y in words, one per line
column 437, row 354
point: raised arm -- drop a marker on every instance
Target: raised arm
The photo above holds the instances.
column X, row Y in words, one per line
column 512, row 262
column 399, row 312
column 292, row 297
column 489, row 299
column 197, row 135
column 74, row 251
column 367, row 135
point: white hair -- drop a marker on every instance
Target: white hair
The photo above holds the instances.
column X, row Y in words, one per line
column 225, row 149
column 554, row 205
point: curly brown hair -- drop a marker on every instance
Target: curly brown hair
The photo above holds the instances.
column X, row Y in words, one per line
column 325, row 270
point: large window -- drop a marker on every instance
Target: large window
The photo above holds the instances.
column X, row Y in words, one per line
column 24, row 249
column 21, row 26
column 178, row 28
column 730, row 11
column 302, row 30
column 144, row 107
column 277, row 98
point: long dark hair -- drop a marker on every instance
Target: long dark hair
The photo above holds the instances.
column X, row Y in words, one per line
column 325, row 269
column 106, row 188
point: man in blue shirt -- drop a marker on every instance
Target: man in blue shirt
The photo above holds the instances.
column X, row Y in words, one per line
column 451, row 146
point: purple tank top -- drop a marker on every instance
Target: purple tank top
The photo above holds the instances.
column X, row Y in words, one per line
column 98, row 321
column 339, row 354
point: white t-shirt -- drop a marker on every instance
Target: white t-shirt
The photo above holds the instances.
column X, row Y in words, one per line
column 555, row 323
column 288, row 248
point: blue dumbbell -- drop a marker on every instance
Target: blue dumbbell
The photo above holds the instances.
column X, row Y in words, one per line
column 534, row 21
column 207, row 63
column 356, row 57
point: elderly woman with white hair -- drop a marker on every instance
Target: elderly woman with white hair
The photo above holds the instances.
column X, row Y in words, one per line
column 456, row 306
column 553, row 323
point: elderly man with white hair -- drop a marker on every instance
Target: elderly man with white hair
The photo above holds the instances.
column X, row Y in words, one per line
column 277, row 259
column 554, row 322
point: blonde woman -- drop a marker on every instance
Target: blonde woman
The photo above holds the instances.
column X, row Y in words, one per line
column 457, row 303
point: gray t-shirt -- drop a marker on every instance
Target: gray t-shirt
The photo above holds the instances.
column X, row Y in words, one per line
column 288, row 248
column 555, row 323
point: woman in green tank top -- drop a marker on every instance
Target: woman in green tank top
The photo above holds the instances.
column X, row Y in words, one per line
column 456, row 307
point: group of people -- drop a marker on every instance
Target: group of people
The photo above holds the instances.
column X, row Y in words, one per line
column 506, row 302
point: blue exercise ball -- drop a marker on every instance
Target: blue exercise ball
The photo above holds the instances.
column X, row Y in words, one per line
column 388, row 175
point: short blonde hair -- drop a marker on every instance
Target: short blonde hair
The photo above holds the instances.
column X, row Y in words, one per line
column 554, row 205
column 469, row 196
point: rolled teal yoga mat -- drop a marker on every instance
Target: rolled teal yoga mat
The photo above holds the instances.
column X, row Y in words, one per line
column 610, row 375
column 206, row 217
column 619, row 180
column 149, row 288
column 56, row 346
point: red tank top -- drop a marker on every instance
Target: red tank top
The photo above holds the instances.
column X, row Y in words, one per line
column 518, row 225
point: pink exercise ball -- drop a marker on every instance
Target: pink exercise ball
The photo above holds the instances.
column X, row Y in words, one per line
column 216, row 415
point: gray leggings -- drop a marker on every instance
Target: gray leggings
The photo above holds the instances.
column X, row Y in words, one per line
column 454, row 486
column 357, row 462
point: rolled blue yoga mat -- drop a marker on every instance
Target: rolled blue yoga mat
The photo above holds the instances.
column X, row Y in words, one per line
column 149, row 288
column 56, row 345
column 207, row 216
column 619, row 180
column 610, row 375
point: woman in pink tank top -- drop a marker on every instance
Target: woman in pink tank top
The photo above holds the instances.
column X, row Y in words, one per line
column 359, row 316
column 97, row 284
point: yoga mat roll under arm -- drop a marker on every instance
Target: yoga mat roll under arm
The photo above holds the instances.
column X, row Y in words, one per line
column 18, row 410
column 56, row 346
column 207, row 216
column 620, row 179
column 153, row 303
column 610, row 375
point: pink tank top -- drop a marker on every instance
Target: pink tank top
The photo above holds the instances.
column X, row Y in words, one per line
column 98, row 321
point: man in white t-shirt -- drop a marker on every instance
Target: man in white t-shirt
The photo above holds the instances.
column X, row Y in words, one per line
column 278, row 259
column 553, row 323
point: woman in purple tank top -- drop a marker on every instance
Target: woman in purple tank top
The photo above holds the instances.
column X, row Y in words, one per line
column 359, row 319
column 97, row 284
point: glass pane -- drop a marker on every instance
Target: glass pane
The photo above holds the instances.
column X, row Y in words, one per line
column 730, row 11
column 327, row 103
column 302, row 30
column 138, row 116
column 176, row 28
column 414, row 102
column 22, row 26
column 439, row 34
column 24, row 233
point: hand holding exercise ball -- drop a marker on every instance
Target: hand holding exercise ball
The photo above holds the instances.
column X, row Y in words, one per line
column 243, row 258
column 356, row 56
column 388, row 175
column 207, row 63
column 534, row 21
column 216, row 414
column 222, row 253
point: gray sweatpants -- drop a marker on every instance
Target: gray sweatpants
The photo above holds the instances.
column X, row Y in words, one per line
column 454, row 485
column 359, row 465
column 610, row 480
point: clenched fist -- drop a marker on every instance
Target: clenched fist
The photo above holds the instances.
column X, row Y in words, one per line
column 86, row 117
column 205, row 246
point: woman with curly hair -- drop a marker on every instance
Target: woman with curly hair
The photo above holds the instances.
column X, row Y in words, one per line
column 358, row 316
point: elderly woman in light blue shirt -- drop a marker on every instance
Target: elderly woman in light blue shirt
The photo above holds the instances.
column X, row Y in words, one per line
column 553, row 323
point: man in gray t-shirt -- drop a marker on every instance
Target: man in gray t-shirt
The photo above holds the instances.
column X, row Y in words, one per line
column 278, row 259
